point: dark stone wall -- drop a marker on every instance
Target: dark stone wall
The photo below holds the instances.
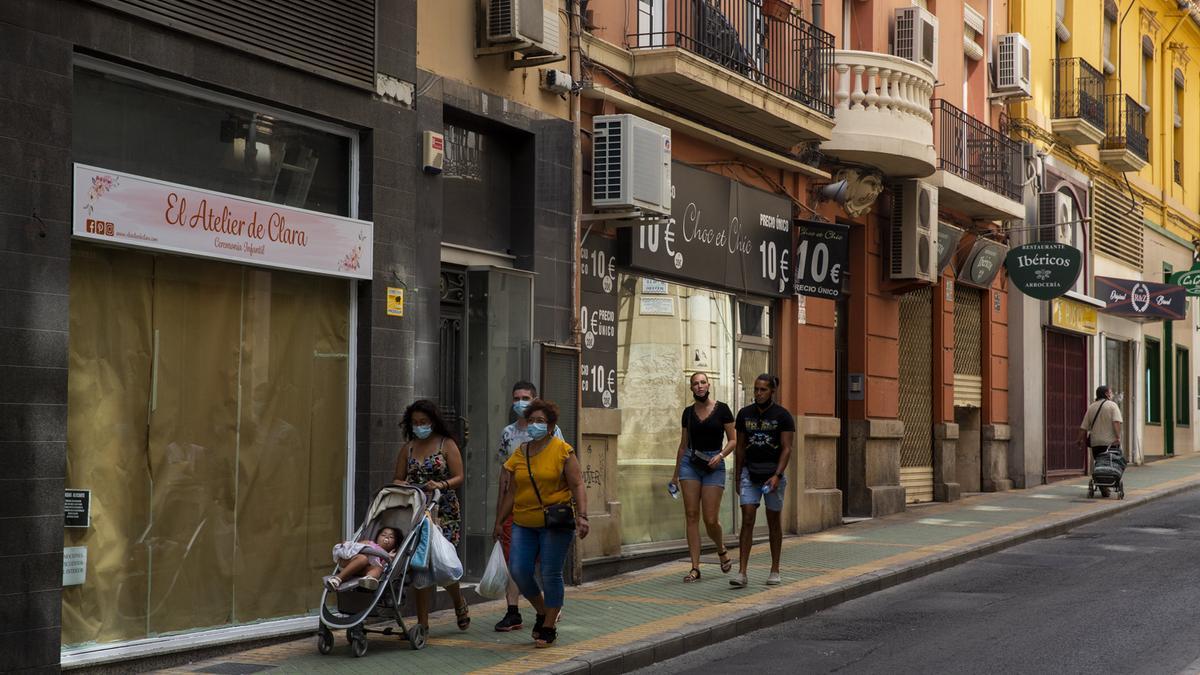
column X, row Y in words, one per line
column 38, row 39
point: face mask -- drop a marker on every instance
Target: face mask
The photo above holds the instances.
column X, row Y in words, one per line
column 519, row 407
column 537, row 430
column 700, row 398
column 422, row 432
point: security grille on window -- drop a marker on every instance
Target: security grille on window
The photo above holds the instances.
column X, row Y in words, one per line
column 464, row 153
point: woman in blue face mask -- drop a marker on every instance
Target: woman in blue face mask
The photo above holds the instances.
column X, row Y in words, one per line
column 431, row 460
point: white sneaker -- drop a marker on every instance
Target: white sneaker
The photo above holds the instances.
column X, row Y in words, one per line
column 773, row 579
column 739, row 581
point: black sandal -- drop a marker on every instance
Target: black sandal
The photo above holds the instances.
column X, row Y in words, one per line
column 726, row 563
column 692, row 576
column 546, row 637
column 538, row 621
column 463, row 614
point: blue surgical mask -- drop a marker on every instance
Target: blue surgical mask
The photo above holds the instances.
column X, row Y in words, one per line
column 537, row 430
column 422, row 432
column 519, row 407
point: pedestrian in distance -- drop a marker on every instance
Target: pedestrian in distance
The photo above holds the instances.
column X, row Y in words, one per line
column 548, row 505
column 1101, row 426
column 512, row 437
column 706, row 440
column 432, row 461
column 765, row 431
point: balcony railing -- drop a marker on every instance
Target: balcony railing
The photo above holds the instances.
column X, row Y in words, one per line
column 1125, row 126
column 788, row 55
column 1078, row 91
column 974, row 151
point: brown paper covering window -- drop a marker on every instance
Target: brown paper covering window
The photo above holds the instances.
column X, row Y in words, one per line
column 207, row 414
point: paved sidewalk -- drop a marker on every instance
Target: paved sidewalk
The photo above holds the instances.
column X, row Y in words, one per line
column 633, row 620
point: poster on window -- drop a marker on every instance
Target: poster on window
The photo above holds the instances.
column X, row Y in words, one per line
column 598, row 322
column 119, row 208
column 721, row 234
column 822, row 253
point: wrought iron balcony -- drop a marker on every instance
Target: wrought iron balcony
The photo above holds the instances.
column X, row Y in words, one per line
column 1125, row 145
column 972, row 150
column 1078, row 102
column 752, row 38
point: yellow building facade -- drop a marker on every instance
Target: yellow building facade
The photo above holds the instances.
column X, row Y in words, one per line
column 1112, row 126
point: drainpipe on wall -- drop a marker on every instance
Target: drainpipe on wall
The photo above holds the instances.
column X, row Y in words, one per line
column 818, row 13
column 575, row 31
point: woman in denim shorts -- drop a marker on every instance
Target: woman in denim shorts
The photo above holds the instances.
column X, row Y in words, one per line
column 706, row 439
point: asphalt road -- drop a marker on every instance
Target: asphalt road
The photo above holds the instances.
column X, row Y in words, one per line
column 1121, row 595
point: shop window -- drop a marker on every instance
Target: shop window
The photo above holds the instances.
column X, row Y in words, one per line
column 151, row 127
column 1183, row 377
column 1153, row 382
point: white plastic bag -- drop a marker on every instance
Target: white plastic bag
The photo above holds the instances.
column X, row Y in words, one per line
column 444, row 566
column 494, row 582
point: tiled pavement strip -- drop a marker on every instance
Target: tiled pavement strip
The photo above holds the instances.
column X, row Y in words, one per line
column 632, row 620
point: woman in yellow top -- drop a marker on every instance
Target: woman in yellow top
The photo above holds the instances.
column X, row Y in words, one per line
column 544, row 475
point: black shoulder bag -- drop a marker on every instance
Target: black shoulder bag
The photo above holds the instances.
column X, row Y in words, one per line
column 558, row 516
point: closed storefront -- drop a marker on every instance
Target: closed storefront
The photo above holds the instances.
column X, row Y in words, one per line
column 1066, row 398
column 968, row 385
column 916, row 394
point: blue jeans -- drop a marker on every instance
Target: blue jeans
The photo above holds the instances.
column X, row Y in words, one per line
column 531, row 543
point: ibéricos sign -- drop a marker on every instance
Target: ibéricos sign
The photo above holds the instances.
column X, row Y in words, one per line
column 1044, row 270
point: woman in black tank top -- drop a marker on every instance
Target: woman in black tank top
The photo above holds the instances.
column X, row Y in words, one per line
column 706, row 438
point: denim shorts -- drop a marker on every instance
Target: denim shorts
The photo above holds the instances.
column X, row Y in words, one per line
column 715, row 478
column 752, row 493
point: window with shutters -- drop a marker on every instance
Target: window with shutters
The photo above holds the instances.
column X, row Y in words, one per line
column 1153, row 382
column 1118, row 222
column 1177, row 145
column 1183, row 398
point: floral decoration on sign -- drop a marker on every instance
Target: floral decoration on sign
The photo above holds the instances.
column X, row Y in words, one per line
column 353, row 259
column 101, row 184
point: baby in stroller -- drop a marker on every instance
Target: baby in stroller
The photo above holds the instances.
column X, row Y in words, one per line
column 367, row 558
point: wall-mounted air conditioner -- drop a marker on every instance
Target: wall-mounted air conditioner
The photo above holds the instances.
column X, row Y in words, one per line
column 914, row 232
column 1012, row 65
column 915, row 36
column 631, row 164
column 1054, row 218
column 520, row 22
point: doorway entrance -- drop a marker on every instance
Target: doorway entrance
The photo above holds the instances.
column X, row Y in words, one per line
column 1117, row 376
column 1066, row 400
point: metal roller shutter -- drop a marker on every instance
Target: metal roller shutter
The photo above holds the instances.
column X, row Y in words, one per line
column 333, row 38
column 968, row 339
column 916, row 394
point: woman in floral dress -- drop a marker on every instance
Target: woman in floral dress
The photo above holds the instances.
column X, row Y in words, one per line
column 431, row 460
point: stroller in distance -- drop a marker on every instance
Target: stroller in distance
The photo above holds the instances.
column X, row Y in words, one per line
column 403, row 508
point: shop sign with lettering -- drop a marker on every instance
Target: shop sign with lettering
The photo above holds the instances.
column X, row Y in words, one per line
column 1073, row 315
column 982, row 264
column 598, row 322
column 1189, row 279
column 721, row 234
column 1142, row 300
column 948, row 238
column 822, row 253
column 120, row 208
column 1044, row 270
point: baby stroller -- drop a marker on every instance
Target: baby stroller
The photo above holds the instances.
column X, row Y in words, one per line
column 403, row 508
column 1108, row 468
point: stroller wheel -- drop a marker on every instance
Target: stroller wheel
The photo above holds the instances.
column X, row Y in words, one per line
column 324, row 640
column 359, row 646
column 417, row 635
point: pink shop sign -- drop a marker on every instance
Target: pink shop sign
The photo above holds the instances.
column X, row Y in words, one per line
column 128, row 210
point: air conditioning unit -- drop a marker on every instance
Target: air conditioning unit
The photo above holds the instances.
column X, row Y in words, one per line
column 914, row 232
column 915, row 36
column 1054, row 218
column 1012, row 64
column 631, row 164
column 515, row 21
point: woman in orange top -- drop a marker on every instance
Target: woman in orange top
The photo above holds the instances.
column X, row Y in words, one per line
column 544, row 475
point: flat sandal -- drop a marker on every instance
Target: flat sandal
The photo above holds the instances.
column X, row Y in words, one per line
column 692, row 576
column 726, row 562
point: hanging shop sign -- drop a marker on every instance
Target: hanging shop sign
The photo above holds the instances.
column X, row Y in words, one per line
column 598, row 322
column 1189, row 279
column 1044, row 270
column 1073, row 316
column 983, row 263
column 822, row 254
column 947, row 244
column 1142, row 300
column 124, row 209
column 721, row 234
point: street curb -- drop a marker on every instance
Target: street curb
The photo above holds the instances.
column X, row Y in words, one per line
column 670, row 644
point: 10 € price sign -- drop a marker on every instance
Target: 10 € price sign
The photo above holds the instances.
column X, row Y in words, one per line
column 822, row 254
column 598, row 322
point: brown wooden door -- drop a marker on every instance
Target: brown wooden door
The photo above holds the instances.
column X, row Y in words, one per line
column 1066, row 400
